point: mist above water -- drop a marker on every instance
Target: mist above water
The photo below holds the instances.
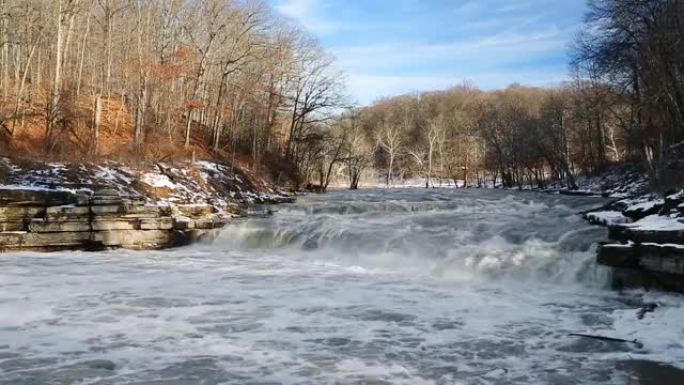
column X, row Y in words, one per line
column 372, row 287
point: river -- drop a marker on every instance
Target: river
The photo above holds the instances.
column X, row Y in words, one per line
column 404, row 286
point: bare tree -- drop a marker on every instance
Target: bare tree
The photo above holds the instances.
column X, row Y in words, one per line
column 389, row 138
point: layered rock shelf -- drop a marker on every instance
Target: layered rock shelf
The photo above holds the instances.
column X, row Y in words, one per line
column 94, row 206
column 648, row 265
column 647, row 242
column 47, row 220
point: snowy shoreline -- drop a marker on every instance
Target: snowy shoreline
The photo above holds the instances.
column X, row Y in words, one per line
column 94, row 206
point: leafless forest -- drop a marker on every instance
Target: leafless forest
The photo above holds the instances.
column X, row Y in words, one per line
column 142, row 80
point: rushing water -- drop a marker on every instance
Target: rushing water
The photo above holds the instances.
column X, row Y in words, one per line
column 373, row 287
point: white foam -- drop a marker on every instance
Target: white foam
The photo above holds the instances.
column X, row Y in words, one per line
column 484, row 291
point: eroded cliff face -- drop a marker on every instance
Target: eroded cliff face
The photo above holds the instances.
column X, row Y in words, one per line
column 98, row 206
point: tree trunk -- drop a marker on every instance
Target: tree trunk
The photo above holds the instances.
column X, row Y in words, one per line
column 187, row 128
column 467, row 165
column 4, row 60
column 140, row 110
column 20, row 90
column 57, row 83
column 97, row 119
column 389, row 171
column 79, row 76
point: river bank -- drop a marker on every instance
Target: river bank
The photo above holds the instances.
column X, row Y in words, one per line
column 646, row 229
column 55, row 206
column 645, row 246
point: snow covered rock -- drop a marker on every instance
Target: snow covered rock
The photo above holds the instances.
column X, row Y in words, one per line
column 644, row 209
column 654, row 228
column 606, row 218
column 21, row 196
column 98, row 206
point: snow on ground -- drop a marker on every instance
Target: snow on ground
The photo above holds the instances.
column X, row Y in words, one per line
column 646, row 205
column 616, row 182
column 607, row 218
column 31, row 187
column 676, row 196
column 657, row 223
column 158, row 180
column 637, row 207
column 184, row 183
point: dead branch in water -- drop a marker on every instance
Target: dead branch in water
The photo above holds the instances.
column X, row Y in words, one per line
column 604, row 338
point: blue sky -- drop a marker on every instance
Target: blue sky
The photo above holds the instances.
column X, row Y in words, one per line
column 390, row 47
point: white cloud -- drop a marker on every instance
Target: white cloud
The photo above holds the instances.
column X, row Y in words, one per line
column 310, row 14
column 499, row 49
column 490, row 42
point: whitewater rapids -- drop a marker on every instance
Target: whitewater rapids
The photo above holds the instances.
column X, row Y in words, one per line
column 407, row 286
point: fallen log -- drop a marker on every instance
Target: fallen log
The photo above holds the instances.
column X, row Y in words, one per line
column 604, row 338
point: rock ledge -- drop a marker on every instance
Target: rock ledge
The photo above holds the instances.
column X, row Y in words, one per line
column 48, row 220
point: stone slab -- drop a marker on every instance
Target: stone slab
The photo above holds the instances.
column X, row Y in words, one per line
column 107, row 210
column 106, row 201
column 67, row 211
column 19, row 240
column 195, row 210
column 92, row 227
column 183, row 223
column 42, row 197
column 135, row 239
column 164, row 223
column 21, row 212
column 147, row 211
column 652, row 258
column 42, row 226
column 205, row 224
column 106, row 192
column 14, row 225
column 134, row 202
column 624, row 234
column 115, row 224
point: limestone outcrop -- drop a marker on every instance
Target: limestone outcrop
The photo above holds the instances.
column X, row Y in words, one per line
column 45, row 220
column 93, row 206
column 649, row 265
column 647, row 241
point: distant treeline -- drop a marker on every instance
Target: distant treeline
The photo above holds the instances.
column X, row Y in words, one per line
column 625, row 104
column 231, row 80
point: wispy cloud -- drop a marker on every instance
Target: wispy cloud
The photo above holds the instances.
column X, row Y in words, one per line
column 490, row 50
column 397, row 46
